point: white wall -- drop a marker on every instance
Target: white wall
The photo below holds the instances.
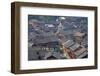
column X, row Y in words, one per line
column 5, row 30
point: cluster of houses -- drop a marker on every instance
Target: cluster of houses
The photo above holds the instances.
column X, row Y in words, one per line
column 59, row 44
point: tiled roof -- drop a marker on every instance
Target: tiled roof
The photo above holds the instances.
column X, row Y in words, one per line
column 79, row 34
column 68, row 43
